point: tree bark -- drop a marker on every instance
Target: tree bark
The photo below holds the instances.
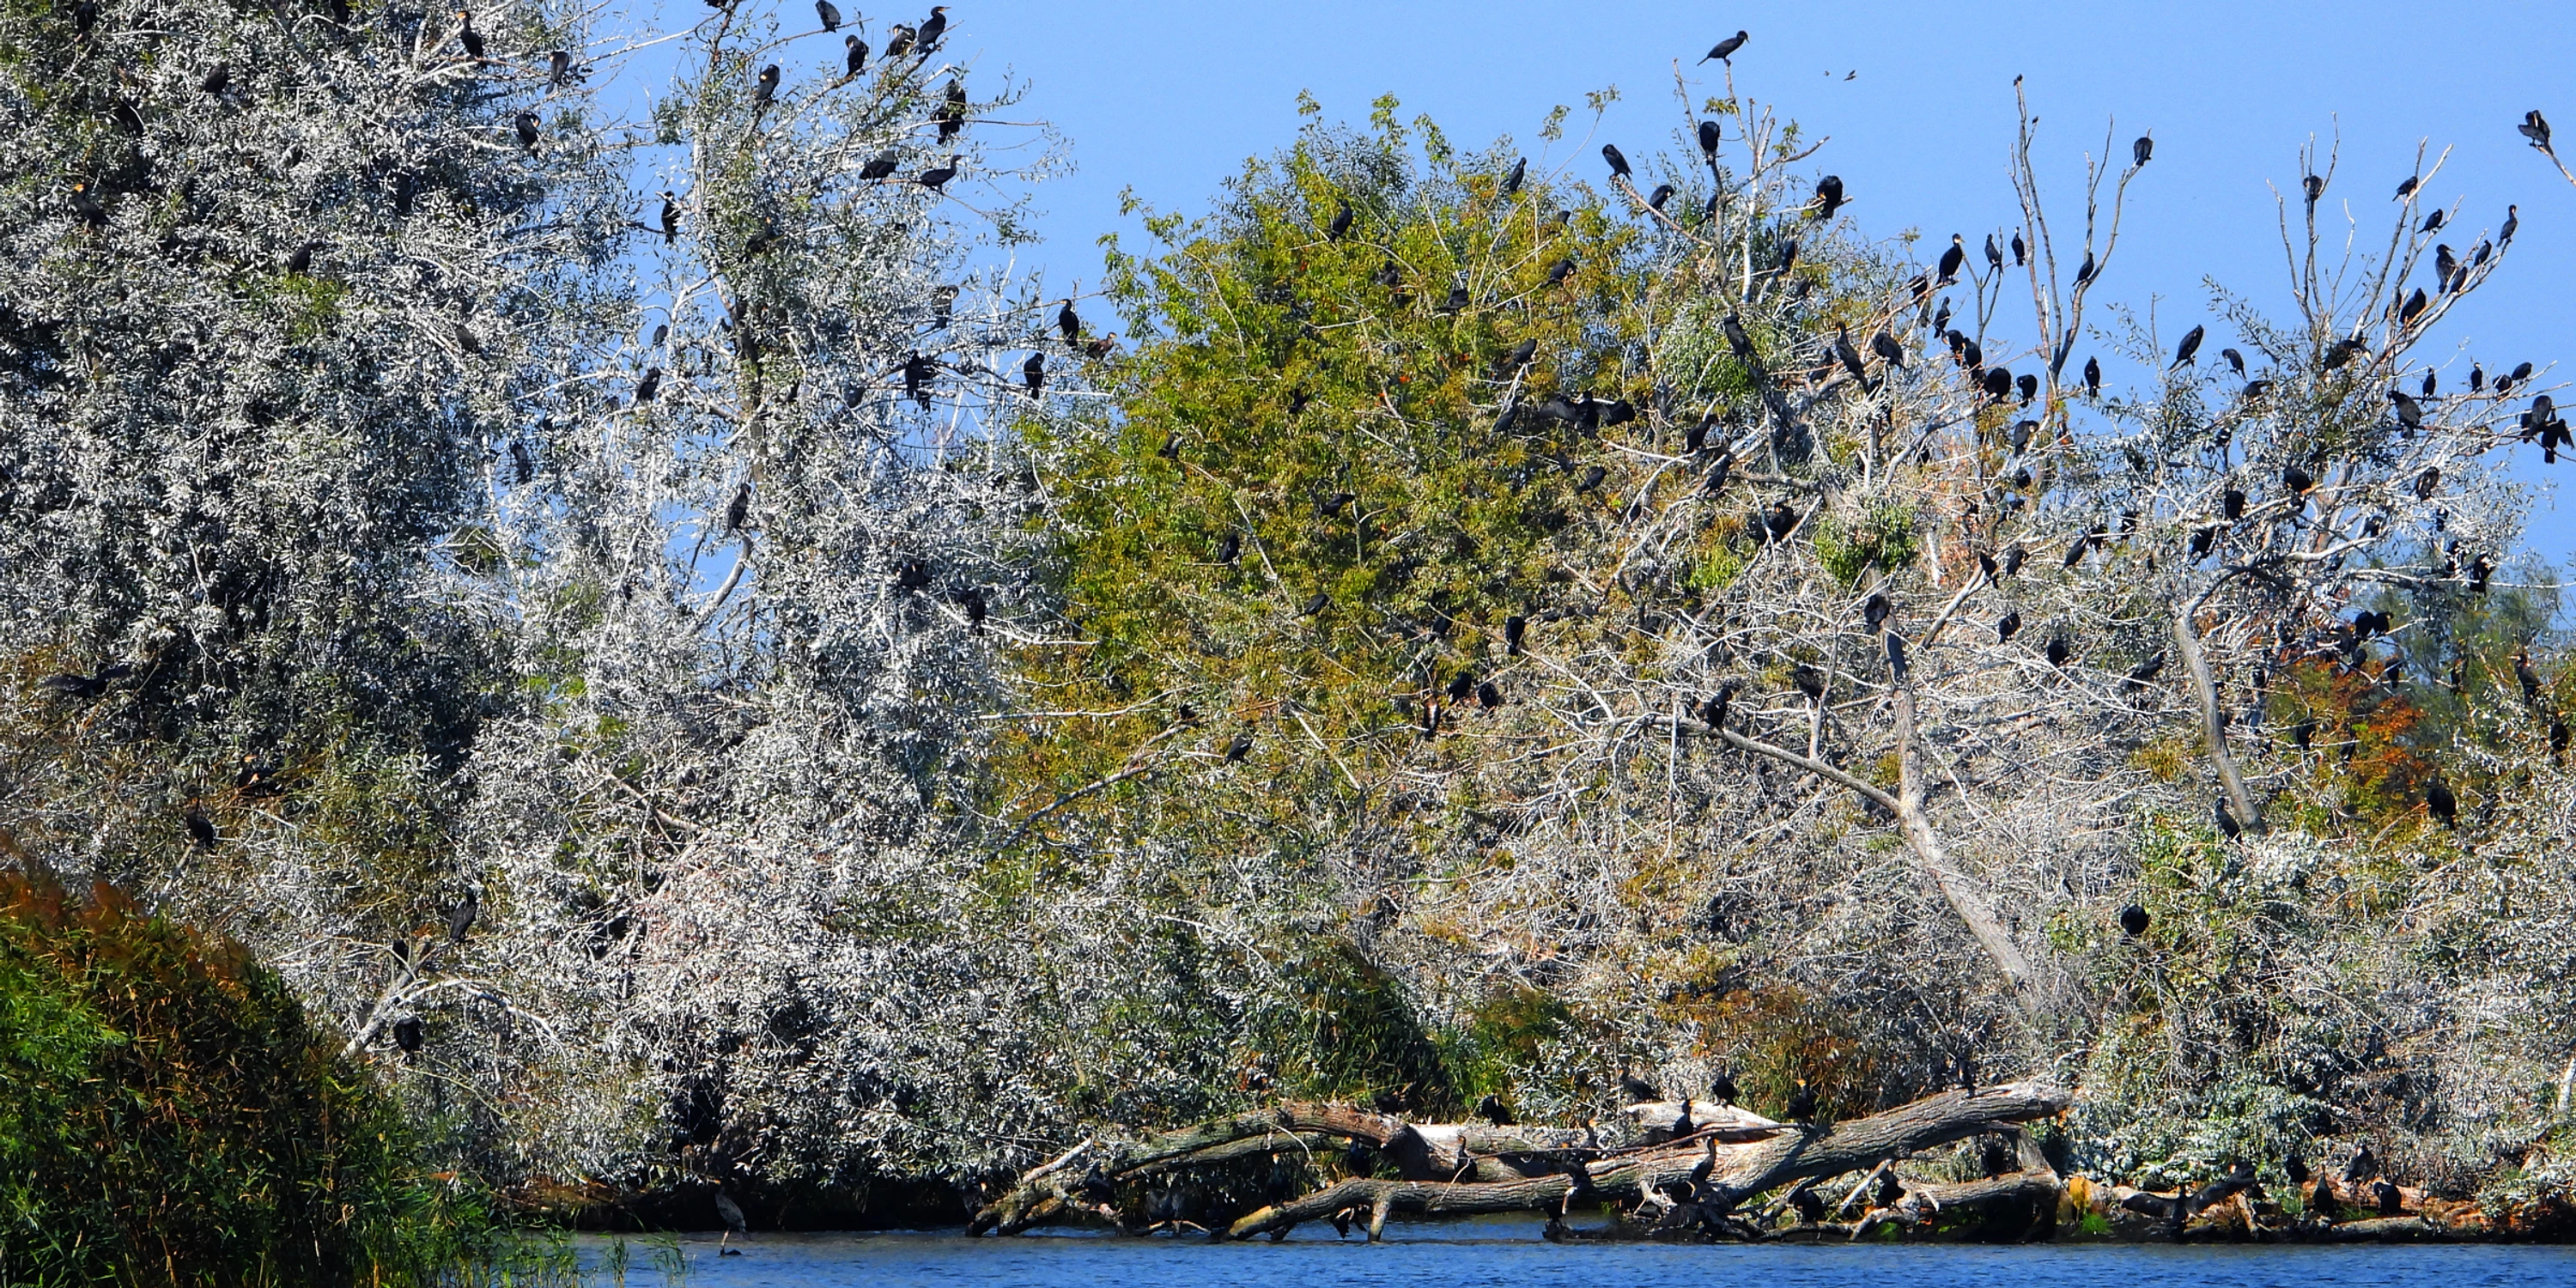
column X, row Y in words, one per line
column 2214, row 722
column 1964, row 896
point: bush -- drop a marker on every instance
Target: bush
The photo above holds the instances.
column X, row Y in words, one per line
column 167, row 1113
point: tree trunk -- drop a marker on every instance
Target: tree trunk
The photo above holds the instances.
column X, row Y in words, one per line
column 2214, row 722
column 1964, row 897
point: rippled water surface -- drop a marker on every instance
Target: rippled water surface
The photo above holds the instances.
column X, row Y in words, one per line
column 1511, row 1253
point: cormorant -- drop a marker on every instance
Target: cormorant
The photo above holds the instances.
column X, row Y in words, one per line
column 527, row 129
column 2227, row 824
column 1033, row 372
column 2084, row 271
column 2013, row 557
column 1230, row 549
column 2321, row 1201
column 766, row 88
column 1709, row 138
column 2093, row 377
column 1341, row 224
column 856, row 60
column 2432, row 222
column 1886, row 347
column 521, row 462
column 2362, row 1165
column 2075, row 551
column 738, row 509
column 933, row 29
column 1874, row 611
column 937, row 176
column 1564, row 268
column 1848, row 355
column 300, row 261
column 1591, row 479
column 2059, row 651
column 2406, row 188
column 1809, row 680
column 1829, row 196
column 1888, row 1192
column 461, row 917
column 670, row 218
column 1494, row 1112
column 407, row 1034
column 2190, row 346
column 1638, row 1090
column 1724, row 51
column 2201, row 540
column 1519, row 172
column 2296, row 480
column 2535, row 127
column 1994, row 254
column 217, row 79
column 201, row 829
column 1487, row 696
column 2512, row 221
column 2392, row 1201
column 2142, row 150
column 558, row 66
column 1802, row 1102
column 2296, row 1169
column 1714, row 710
column 2027, row 385
column 2133, row 920
column 1663, row 193
column 2315, row 186
column 2231, row 504
column 467, row 36
column 1514, row 627
column 1319, row 603
column 1951, row 261
column 2007, row 626
column 2441, row 804
column 1236, row 750
column 648, row 386
column 917, row 371
column 831, row 17
column 1998, row 383
column 898, row 41
column 1722, row 1088
column 1781, row 521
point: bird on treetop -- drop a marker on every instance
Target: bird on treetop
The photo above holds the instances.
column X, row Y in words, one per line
column 1724, row 51
column 2140, row 151
column 1618, row 162
column 831, row 16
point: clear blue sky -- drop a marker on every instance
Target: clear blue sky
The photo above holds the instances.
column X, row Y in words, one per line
column 1169, row 98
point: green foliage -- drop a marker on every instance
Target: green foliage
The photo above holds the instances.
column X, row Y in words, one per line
column 1882, row 537
column 167, row 1112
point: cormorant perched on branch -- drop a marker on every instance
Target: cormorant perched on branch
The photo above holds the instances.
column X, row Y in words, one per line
column 1487, row 696
column 2535, row 127
column 527, row 130
column 831, row 16
column 1713, row 711
column 2183, row 353
column 1886, row 347
column 1828, row 198
column 2296, row 480
column 1875, row 611
column 2093, row 377
column 898, row 41
column 933, row 29
column 1952, row 260
column 2441, row 804
column 1809, row 680
column 738, row 509
column 558, row 66
column 2227, row 824
column 938, row 176
column 1519, row 172
column 766, row 88
column 856, row 60
column 1618, row 161
column 1514, row 627
column 1341, row 225
column 2007, row 626
column 670, row 217
column 201, row 829
column 2133, row 920
column 1709, row 137
column 407, row 1037
column 2059, row 651
column 952, row 111
column 2084, row 271
column 1724, row 51
column 461, row 917
column 2142, row 150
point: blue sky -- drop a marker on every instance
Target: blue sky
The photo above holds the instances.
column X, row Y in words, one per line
column 1169, row 98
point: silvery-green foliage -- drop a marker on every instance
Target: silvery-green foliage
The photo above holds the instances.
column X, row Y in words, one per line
column 756, row 583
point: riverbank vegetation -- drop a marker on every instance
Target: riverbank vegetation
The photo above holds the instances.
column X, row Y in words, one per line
column 701, row 684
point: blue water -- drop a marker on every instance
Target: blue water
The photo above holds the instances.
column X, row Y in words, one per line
column 1512, row 1253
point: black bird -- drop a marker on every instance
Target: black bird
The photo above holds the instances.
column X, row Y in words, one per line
column 1887, row 1192
column 766, row 88
column 2075, row 552
column 1591, row 479
column 2008, row 626
column 1998, row 383
column 2093, row 377
column 461, row 917
column 1802, row 1102
column 648, row 386
column 938, row 176
column 1888, row 350
column 2235, row 360
column 2133, row 920
column 2414, row 307
column 1986, row 564
column 2013, row 558
column 300, row 261
column 2405, row 188
column 1951, row 261
column 2027, row 386
column 1874, row 612
column 2535, row 127
column 1663, row 193
column 2315, row 186
column 2432, row 223
column 2391, row 1200
column 1514, row 627
column 738, row 509
column 1638, row 1090
column 1709, row 138
column 201, row 829
column 2441, row 804
column 469, row 37
column 1033, row 372
column 1519, row 172
column 1560, row 270
column 1781, row 521
column 1713, row 711
column 2296, row 480
column 1809, row 680
column 730, row 1213
column 1488, row 696
column 670, row 218
column 933, row 29
column 2084, row 271
column 407, row 1034
column 1461, row 685
column 217, row 79
column 2227, row 824
column 882, row 166
column 952, row 111
column 1493, row 1111
column 2512, row 221
column 917, row 373
column 1230, row 549
column 2296, row 1169
column 2321, row 1201
column 2344, row 351
column 527, row 130
column 1737, row 341
column 2557, row 735
column 1829, row 197
column 1722, row 1088
column 2145, row 671
column 2362, row 1165
column 558, row 66
column 2059, row 651
column 2231, row 504
column 2141, row 150
column 2201, row 541
column 831, row 17
column 1517, row 358
column 1341, row 223
column 1319, row 603
column 1850, row 356
column 856, row 59
column 522, row 462
column 1725, row 51
column 1994, row 254
column 1236, row 750
column 1618, row 163
column 912, row 574
column 2190, row 346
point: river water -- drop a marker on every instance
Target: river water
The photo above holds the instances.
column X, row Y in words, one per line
column 1510, row 1252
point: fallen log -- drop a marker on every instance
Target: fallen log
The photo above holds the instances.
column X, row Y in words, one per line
column 1743, row 1169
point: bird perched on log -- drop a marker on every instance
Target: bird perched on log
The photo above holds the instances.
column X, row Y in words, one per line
column 1493, row 1111
column 1801, row 1107
column 2361, row 1166
column 1722, row 1088
column 2391, row 1200
column 1887, row 1191
column 1714, row 710
column 1638, row 1090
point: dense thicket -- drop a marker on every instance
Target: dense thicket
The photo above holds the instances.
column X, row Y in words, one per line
column 704, row 681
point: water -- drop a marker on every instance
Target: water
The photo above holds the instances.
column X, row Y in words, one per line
column 1511, row 1252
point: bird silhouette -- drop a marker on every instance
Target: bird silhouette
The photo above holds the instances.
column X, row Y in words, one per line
column 933, row 29
column 855, row 57
column 1802, row 1103
column 2142, row 150
column 831, row 16
column 1829, row 197
column 2133, row 920
column 2535, row 128
column 937, row 177
column 1618, row 162
column 2190, row 346
column 730, row 1213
